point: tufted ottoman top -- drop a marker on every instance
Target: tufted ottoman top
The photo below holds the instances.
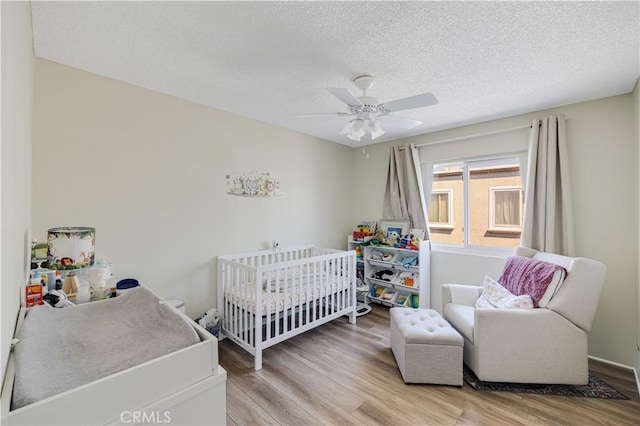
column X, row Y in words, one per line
column 425, row 326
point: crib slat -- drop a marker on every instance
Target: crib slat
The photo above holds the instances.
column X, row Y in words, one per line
column 269, row 294
column 332, row 295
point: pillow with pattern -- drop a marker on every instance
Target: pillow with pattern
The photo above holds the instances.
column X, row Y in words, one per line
column 494, row 295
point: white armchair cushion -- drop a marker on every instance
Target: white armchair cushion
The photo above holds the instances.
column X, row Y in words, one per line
column 495, row 295
column 461, row 318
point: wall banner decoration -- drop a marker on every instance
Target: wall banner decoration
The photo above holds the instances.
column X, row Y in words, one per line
column 254, row 184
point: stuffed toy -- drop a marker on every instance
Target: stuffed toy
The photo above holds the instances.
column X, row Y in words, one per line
column 392, row 238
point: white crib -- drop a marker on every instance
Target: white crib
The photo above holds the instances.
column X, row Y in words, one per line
column 268, row 296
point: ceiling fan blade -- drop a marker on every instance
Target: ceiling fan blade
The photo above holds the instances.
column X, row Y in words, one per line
column 396, row 120
column 345, row 96
column 346, row 128
column 417, row 101
column 322, row 114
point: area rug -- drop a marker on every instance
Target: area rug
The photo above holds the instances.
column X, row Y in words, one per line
column 596, row 388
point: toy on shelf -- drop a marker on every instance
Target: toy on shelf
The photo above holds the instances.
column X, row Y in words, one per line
column 413, row 301
column 378, row 239
column 401, row 300
column 376, row 291
column 407, row 279
column 364, row 231
column 392, row 239
column 409, row 242
column 382, row 275
column 381, row 256
column 408, row 262
column 33, row 294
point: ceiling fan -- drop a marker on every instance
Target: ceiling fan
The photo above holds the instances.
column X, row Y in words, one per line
column 369, row 111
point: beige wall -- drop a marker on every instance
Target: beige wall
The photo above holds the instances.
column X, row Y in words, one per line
column 148, row 171
column 603, row 149
column 15, row 164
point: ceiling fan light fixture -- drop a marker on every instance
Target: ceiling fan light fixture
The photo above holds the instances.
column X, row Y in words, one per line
column 376, row 130
column 357, row 130
column 354, row 137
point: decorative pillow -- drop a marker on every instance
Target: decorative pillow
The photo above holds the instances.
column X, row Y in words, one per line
column 496, row 296
column 524, row 275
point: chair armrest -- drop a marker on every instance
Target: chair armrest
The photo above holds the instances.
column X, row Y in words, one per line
column 525, row 325
column 460, row 294
column 513, row 321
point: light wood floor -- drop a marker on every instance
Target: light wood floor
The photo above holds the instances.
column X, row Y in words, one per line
column 342, row 374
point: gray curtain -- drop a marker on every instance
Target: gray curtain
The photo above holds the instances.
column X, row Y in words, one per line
column 403, row 196
column 548, row 215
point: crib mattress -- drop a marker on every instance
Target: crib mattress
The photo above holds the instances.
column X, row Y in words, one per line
column 61, row 349
column 276, row 299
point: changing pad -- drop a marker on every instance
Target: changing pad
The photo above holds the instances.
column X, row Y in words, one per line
column 61, row 349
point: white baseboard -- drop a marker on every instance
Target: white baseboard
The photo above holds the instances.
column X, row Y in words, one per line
column 621, row 366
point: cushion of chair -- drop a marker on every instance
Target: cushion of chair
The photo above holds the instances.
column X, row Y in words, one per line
column 461, row 317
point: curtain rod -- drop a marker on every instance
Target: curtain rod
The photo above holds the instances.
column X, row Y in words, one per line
column 477, row 135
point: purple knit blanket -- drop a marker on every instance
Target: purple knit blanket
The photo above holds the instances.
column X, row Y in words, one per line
column 524, row 275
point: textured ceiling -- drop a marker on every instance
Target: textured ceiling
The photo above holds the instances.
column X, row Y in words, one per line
column 271, row 60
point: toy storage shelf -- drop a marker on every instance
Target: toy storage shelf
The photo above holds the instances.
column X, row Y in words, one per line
column 397, row 276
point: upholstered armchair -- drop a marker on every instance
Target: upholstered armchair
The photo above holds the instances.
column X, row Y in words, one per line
column 542, row 345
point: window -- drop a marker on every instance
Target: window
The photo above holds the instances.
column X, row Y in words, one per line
column 506, row 208
column 477, row 203
column 440, row 208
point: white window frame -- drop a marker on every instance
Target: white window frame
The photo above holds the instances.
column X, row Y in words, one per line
column 465, row 247
column 494, row 227
column 449, row 223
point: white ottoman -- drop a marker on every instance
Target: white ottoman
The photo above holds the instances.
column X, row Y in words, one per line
column 426, row 347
